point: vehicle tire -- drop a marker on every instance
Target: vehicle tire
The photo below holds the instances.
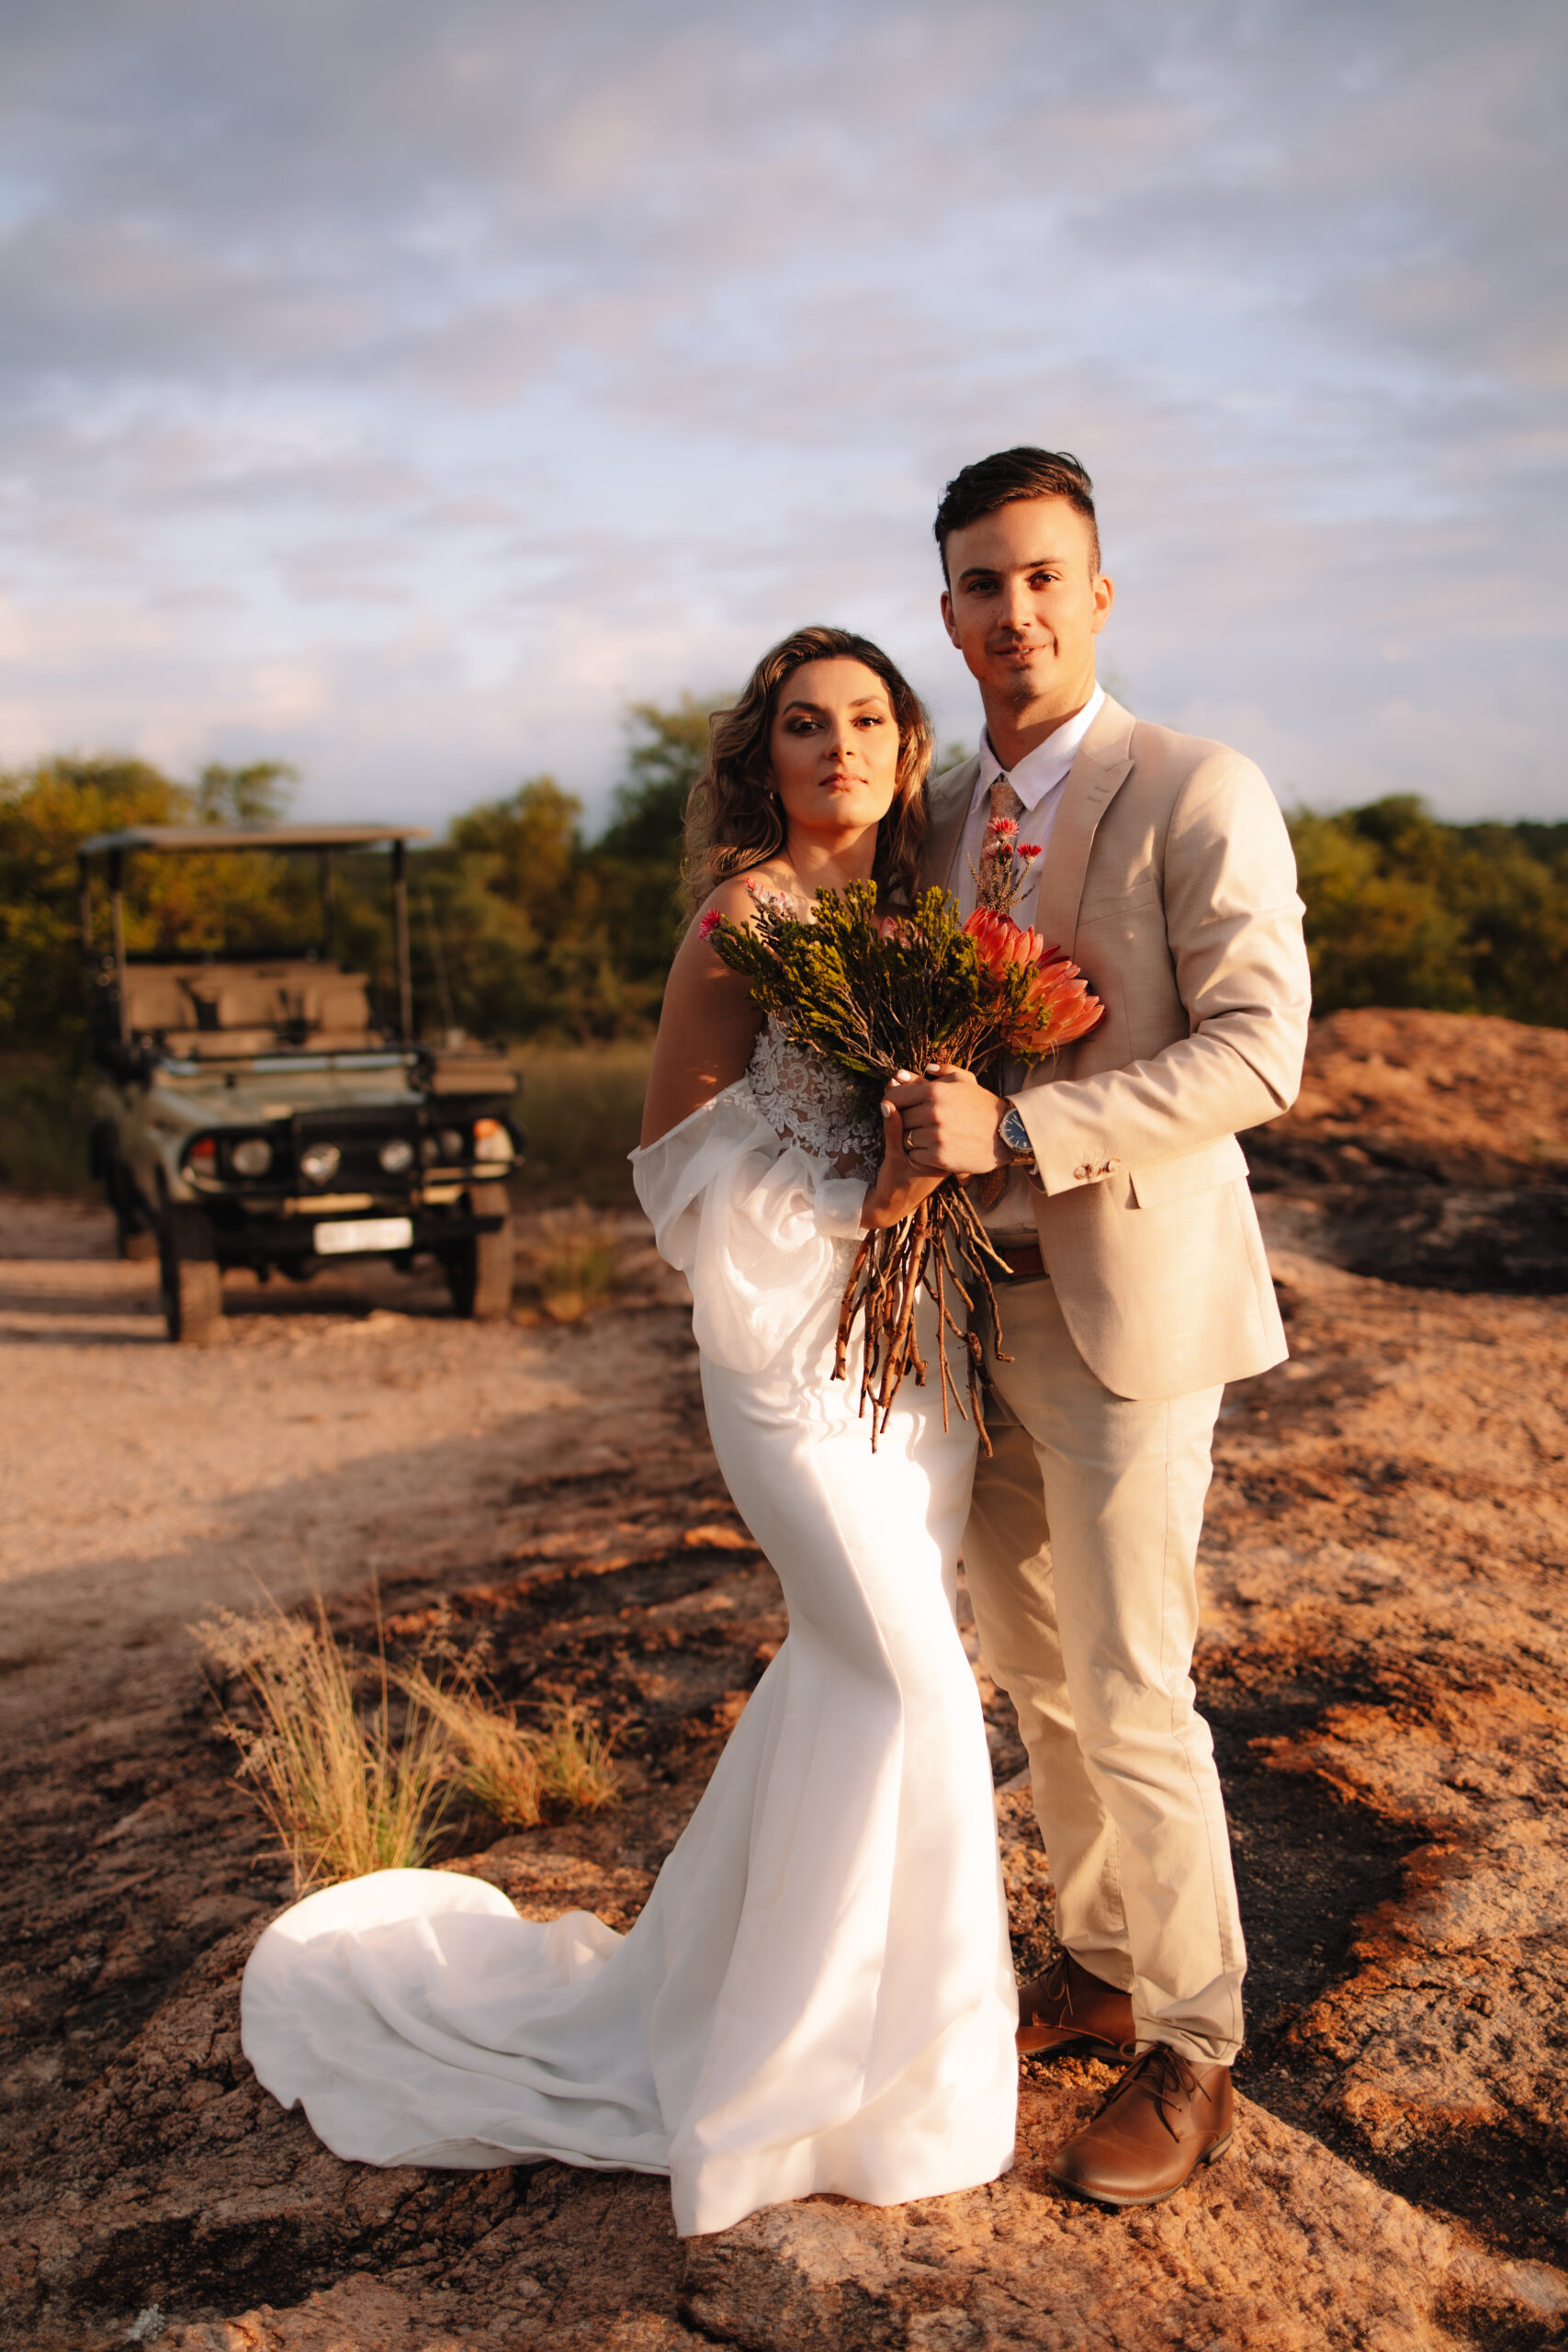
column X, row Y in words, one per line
column 188, row 1279
column 135, row 1237
column 479, row 1270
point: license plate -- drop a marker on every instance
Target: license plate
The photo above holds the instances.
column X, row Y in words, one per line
column 365, row 1233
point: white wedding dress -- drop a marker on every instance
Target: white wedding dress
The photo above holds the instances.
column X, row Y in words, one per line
column 819, row 1994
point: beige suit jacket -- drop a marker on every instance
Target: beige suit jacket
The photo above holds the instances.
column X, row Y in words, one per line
column 1171, row 881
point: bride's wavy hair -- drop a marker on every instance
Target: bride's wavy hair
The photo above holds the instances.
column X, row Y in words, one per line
column 733, row 818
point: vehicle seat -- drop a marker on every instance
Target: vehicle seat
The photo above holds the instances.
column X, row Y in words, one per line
column 333, row 1007
column 220, row 1045
column 210, row 1010
column 156, row 999
column 231, row 1001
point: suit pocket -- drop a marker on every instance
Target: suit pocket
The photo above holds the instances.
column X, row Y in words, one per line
column 1195, row 1172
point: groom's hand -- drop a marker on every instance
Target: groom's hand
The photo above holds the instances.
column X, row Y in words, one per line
column 950, row 1120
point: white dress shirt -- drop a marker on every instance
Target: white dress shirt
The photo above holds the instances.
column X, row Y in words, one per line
column 1037, row 780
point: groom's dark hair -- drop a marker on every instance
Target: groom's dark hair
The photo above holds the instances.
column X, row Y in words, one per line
column 1012, row 474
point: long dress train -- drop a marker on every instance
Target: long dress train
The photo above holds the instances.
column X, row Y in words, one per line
column 818, row 1993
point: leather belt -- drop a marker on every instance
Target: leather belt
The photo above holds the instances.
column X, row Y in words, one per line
column 1025, row 1264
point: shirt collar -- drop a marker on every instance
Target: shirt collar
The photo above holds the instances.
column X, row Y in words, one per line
column 1040, row 771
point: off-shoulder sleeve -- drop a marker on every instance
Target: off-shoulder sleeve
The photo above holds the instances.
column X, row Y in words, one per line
column 757, row 1226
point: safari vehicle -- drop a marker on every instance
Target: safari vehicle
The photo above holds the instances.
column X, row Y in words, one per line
column 260, row 1107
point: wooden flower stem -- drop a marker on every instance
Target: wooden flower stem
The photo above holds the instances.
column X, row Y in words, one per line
column 926, row 1248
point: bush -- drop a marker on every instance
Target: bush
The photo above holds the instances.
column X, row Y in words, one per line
column 1403, row 909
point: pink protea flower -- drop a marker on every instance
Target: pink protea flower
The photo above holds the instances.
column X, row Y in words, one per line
column 1004, row 828
column 999, row 942
column 709, row 923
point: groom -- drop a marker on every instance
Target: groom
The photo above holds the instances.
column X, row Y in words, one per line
column 1112, row 1183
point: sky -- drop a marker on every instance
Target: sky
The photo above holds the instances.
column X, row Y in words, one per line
column 402, row 391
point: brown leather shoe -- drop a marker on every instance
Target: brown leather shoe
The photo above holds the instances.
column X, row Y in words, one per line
column 1165, row 2117
column 1069, row 2010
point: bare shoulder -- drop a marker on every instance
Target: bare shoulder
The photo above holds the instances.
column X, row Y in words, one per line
column 735, row 898
column 707, row 1023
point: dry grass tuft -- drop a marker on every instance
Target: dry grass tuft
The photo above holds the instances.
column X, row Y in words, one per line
column 574, row 1758
column 570, row 1260
column 347, row 1789
column 345, row 1792
column 494, row 1758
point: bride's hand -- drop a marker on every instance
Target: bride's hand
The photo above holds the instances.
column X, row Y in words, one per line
column 900, row 1187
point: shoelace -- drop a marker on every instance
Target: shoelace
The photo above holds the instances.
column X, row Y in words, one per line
column 1057, row 1986
column 1173, row 2074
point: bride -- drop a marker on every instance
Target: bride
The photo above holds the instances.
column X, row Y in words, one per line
column 819, row 1994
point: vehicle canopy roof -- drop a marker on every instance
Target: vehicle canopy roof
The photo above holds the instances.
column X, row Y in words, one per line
column 210, row 837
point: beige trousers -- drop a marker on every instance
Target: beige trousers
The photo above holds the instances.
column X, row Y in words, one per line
column 1081, row 1554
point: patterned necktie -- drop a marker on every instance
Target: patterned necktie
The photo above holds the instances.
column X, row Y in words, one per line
column 986, row 1190
column 1005, row 801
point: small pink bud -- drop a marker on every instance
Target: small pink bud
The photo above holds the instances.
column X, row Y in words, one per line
column 1029, row 852
column 709, row 923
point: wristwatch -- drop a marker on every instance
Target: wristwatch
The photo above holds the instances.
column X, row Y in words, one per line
column 1013, row 1135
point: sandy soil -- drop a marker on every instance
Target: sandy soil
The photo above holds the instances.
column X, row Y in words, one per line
column 1384, row 1661
column 340, row 1430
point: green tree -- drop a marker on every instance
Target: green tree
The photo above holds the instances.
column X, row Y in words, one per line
column 1403, row 909
column 194, row 902
column 256, row 795
column 665, row 752
column 635, row 864
column 45, row 812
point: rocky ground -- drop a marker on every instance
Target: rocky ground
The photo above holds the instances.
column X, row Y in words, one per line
column 1384, row 1660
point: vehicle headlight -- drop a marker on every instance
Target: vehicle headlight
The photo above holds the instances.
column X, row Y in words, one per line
column 396, row 1157
column 492, row 1140
column 454, row 1144
column 319, row 1162
column 252, row 1156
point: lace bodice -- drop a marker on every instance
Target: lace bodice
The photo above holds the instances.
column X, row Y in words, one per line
column 810, row 1103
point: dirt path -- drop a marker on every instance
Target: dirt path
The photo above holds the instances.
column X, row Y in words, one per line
column 339, row 1432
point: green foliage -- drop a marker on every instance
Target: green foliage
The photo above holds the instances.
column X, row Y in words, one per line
column 520, row 927
column 636, row 863
column 45, row 811
column 1403, row 909
column 527, row 930
column 45, row 1117
column 256, row 795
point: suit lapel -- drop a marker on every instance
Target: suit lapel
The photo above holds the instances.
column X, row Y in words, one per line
column 1097, row 775
column 950, row 797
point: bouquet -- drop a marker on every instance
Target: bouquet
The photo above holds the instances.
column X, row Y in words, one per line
column 876, row 994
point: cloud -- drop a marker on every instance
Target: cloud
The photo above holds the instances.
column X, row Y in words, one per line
column 399, row 390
